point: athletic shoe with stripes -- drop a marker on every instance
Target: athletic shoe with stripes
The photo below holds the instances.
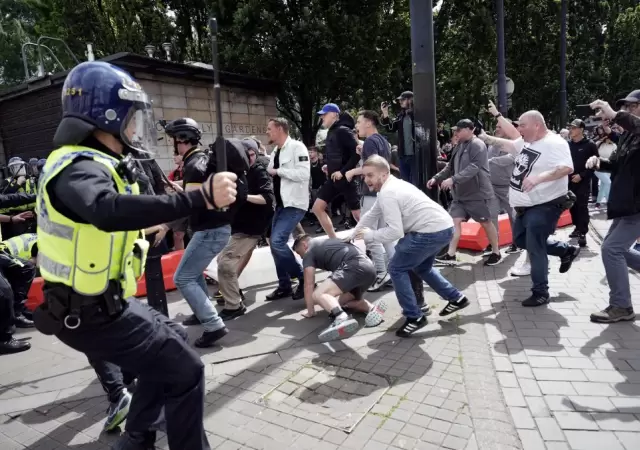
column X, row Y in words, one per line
column 452, row 307
column 376, row 315
column 340, row 328
column 411, row 326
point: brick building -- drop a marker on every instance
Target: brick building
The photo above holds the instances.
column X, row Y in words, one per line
column 29, row 113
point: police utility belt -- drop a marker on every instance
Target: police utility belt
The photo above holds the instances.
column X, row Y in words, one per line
column 65, row 308
column 563, row 202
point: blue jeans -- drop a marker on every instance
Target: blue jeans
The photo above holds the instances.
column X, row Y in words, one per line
column 618, row 255
column 605, row 186
column 531, row 231
column 287, row 266
column 189, row 277
column 407, row 171
column 417, row 251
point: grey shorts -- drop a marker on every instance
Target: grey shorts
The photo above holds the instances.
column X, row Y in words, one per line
column 478, row 210
column 355, row 276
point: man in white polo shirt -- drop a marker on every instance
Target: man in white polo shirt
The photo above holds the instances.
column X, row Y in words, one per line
column 538, row 192
column 423, row 228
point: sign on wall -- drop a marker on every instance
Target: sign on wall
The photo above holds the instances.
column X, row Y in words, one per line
column 232, row 129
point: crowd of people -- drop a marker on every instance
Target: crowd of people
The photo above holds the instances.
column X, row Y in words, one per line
column 83, row 240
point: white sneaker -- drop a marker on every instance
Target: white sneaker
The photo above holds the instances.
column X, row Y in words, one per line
column 522, row 270
column 381, row 281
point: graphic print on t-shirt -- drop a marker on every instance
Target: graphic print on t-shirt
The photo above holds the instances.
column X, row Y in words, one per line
column 523, row 166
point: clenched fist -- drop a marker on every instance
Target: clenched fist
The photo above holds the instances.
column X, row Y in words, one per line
column 220, row 190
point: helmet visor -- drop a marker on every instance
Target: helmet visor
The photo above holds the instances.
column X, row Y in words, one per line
column 138, row 130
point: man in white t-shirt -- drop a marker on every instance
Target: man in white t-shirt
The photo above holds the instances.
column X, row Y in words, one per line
column 538, row 192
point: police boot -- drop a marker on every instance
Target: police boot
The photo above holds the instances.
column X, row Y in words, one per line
column 135, row 440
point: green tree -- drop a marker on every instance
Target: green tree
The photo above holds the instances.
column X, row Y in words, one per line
column 344, row 52
column 623, row 48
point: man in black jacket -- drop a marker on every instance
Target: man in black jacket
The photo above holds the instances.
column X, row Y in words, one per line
column 247, row 229
column 212, row 229
column 582, row 149
column 403, row 125
column 623, row 207
column 340, row 157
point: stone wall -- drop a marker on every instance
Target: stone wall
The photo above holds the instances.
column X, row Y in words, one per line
column 244, row 112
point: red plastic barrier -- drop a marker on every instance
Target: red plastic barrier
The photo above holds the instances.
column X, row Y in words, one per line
column 170, row 262
column 474, row 238
column 35, row 297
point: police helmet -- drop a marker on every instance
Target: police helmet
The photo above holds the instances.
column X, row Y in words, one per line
column 100, row 96
column 16, row 166
column 184, row 129
column 40, row 165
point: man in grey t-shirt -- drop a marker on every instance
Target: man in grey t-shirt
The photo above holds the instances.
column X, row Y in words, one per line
column 351, row 274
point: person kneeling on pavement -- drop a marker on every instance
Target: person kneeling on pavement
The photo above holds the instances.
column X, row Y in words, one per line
column 352, row 274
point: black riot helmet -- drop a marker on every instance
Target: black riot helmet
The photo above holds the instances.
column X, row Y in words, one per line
column 185, row 130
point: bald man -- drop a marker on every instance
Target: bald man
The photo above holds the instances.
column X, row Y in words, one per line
column 538, row 191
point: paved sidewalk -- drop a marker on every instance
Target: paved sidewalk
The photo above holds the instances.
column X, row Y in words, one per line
column 497, row 376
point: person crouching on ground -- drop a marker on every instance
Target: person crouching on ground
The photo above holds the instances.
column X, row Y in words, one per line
column 352, row 274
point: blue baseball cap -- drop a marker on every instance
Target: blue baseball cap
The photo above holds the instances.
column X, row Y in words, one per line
column 329, row 107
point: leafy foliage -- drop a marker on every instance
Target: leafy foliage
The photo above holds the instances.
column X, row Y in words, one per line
column 356, row 54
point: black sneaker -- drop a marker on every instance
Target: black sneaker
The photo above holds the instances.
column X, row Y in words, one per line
column 298, row 294
column 487, row 251
column 209, row 338
column 132, row 440
column 279, row 294
column 446, row 259
column 567, row 260
column 512, row 249
column 493, row 259
column 411, row 326
column 574, row 234
column 453, row 307
column 582, row 241
column 13, row 346
column 230, row 314
column 535, row 300
column 22, row 322
column 191, row 321
column 218, row 298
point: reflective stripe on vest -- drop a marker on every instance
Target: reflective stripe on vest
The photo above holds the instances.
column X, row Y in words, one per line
column 20, row 246
column 80, row 255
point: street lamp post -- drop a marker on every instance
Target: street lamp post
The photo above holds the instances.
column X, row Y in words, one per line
column 502, row 75
column 424, row 91
column 563, row 63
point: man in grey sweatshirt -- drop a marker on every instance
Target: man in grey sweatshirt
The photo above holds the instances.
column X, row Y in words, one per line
column 467, row 175
column 501, row 167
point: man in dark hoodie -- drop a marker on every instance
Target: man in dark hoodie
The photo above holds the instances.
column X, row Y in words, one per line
column 247, row 229
column 340, row 157
column 623, row 207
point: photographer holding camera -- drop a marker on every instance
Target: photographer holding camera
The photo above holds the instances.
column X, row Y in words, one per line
column 404, row 126
column 623, row 206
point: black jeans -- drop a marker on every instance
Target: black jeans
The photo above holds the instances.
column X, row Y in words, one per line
column 170, row 373
column 16, row 276
column 580, row 209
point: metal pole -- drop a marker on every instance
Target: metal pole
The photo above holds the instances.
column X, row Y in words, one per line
column 221, row 155
column 424, row 91
column 502, row 76
column 563, row 63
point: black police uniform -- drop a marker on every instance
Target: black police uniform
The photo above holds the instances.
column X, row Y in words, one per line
column 581, row 151
column 138, row 339
column 15, row 280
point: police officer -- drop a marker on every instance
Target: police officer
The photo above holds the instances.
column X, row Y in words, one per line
column 91, row 251
column 23, row 246
column 15, row 280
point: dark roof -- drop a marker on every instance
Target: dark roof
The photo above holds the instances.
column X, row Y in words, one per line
column 134, row 62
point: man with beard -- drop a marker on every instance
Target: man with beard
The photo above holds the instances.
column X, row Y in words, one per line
column 404, row 126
